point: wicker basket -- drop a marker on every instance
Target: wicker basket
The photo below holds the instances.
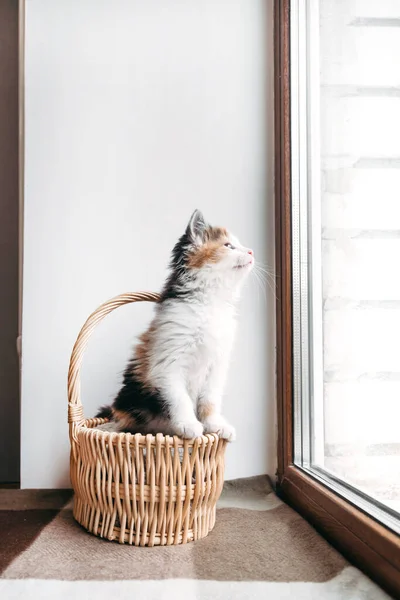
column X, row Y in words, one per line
column 142, row 490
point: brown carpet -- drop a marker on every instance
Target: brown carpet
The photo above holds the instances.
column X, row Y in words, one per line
column 258, row 548
column 18, row 530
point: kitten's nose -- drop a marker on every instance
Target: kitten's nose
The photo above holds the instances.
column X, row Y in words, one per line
column 250, row 252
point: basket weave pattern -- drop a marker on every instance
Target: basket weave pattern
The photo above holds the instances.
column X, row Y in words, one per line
column 142, row 490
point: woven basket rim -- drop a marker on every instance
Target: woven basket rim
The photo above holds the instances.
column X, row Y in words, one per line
column 89, row 427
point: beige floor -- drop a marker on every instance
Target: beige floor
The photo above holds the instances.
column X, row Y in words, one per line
column 259, row 548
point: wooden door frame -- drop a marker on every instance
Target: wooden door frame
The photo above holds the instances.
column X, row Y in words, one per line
column 11, row 218
column 364, row 541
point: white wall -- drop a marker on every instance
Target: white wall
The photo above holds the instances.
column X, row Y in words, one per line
column 136, row 113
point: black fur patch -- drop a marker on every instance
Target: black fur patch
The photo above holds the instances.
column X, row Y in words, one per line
column 105, row 412
column 175, row 286
column 139, row 403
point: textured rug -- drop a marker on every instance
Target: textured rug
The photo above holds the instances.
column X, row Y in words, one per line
column 259, row 548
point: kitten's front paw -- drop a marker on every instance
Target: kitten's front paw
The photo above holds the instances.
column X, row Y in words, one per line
column 190, row 430
column 219, row 426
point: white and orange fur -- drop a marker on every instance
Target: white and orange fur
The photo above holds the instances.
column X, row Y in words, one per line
column 174, row 384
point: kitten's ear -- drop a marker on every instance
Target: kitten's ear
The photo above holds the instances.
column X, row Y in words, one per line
column 196, row 228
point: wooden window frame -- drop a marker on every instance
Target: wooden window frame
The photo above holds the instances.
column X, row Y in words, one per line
column 365, row 542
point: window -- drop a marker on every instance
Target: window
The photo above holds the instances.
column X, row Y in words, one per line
column 338, row 236
column 346, row 233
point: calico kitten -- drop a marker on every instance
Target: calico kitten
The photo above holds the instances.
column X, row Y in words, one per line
column 175, row 380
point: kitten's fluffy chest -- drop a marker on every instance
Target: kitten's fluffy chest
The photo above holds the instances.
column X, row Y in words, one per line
column 203, row 324
column 195, row 337
column 211, row 325
column 212, row 329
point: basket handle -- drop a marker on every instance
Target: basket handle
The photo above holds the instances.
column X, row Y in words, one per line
column 75, row 409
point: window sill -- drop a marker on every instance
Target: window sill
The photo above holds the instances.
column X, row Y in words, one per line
column 366, row 543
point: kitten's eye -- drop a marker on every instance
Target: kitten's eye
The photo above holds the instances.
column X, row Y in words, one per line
column 228, row 245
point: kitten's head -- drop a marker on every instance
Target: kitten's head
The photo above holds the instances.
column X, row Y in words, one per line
column 209, row 255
